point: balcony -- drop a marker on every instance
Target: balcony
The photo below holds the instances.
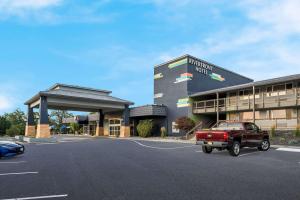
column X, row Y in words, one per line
column 267, row 100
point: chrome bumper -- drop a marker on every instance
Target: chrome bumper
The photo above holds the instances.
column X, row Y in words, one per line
column 214, row 144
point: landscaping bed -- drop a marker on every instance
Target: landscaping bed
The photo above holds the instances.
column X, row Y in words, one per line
column 285, row 138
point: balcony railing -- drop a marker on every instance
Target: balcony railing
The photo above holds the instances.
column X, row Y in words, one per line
column 266, row 100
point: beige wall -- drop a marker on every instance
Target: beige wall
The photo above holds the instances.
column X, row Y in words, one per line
column 280, row 118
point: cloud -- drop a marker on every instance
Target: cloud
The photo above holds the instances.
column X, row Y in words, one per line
column 53, row 11
column 5, row 103
column 282, row 16
column 28, row 9
column 265, row 45
column 27, row 4
column 12, row 94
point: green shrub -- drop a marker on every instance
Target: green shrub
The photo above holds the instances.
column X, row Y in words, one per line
column 282, row 140
column 13, row 131
column 74, row 128
column 163, row 132
column 144, row 128
column 273, row 130
column 297, row 131
column 293, row 142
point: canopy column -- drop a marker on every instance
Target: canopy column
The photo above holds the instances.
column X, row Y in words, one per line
column 100, row 124
column 30, row 125
column 125, row 128
column 43, row 130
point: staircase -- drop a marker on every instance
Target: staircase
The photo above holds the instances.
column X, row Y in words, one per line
column 191, row 134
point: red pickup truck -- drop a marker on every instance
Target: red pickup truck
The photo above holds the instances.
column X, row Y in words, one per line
column 233, row 136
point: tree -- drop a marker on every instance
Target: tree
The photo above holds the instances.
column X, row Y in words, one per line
column 4, row 125
column 17, row 119
column 56, row 118
column 184, row 123
column 13, row 130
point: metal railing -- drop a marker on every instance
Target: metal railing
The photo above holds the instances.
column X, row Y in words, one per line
column 266, row 100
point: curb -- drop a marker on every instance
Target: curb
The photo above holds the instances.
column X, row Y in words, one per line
column 285, row 146
column 160, row 140
column 193, row 142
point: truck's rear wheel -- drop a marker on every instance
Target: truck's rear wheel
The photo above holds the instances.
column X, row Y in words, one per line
column 265, row 145
column 207, row 149
column 235, row 148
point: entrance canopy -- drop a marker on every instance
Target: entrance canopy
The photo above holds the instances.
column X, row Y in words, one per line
column 75, row 98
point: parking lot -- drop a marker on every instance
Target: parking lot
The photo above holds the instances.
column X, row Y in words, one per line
column 102, row 168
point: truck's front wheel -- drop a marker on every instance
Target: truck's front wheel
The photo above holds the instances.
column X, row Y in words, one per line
column 207, row 149
column 265, row 145
column 235, row 148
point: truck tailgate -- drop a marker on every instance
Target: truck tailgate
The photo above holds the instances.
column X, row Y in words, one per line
column 211, row 135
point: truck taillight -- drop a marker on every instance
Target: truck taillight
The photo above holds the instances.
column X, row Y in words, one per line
column 225, row 136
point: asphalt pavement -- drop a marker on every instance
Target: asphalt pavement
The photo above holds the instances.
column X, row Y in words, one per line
column 125, row 169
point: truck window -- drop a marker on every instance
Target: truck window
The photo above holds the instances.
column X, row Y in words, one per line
column 251, row 127
column 229, row 126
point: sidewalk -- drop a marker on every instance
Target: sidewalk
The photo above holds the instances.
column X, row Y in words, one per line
column 285, row 146
column 178, row 140
column 159, row 139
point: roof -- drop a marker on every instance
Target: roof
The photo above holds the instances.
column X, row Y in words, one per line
column 78, row 87
column 251, row 84
column 189, row 56
column 84, row 94
column 149, row 110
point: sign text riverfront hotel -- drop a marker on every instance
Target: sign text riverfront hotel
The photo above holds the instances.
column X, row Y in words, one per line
column 200, row 66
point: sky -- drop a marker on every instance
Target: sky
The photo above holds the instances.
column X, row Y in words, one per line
column 114, row 44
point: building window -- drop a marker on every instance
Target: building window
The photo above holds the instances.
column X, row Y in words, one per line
column 263, row 115
column 257, row 93
column 245, row 94
column 291, row 113
column 233, row 117
column 232, row 94
column 289, row 86
column 246, row 116
column 278, row 114
column 282, row 89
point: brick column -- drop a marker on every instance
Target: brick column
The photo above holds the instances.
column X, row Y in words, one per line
column 30, row 126
column 43, row 130
column 125, row 128
column 100, row 123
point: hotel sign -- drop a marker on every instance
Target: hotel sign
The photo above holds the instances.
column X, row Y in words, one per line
column 201, row 66
column 206, row 69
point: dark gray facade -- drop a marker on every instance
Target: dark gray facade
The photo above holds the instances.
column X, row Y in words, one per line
column 176, row 80
column 149, row 110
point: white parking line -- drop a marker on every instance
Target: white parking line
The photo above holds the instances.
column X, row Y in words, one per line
column 246, row 154
column 199, row 151
column 16, row 162
column 288, row 149
column 45, row 143
column 164, row 148
column 18, row 173
column 40, row 197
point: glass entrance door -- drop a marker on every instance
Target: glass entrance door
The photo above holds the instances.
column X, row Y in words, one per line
column 114, row 127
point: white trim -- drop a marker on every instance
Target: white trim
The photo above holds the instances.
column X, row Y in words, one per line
column 39, row 197
column 18, row 173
